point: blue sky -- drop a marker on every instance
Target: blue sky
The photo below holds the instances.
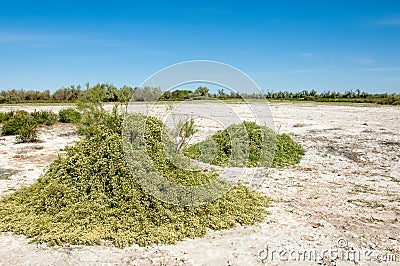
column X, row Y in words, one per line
column 282, row 45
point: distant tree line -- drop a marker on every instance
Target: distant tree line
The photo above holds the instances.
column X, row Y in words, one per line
column 106, row 92
column 355, row 96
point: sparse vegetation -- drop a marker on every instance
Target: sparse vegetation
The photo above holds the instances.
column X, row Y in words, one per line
column 90, row 194
column 363, row 189
column 375, row 204
column 393, row 179
column 24, row 125
column 371, row 219
column 13, row 120
column 394, row 199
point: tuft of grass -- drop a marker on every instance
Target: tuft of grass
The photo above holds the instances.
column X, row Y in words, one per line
column 393, row 179
column 375, row 204
column 362, row 189
column 371, row 219
column 247, row 145
column 90, row 195
column 4, row 174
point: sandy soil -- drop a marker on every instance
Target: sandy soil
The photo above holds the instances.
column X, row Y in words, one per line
column 344, row 195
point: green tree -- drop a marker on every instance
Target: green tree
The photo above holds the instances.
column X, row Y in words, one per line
column 202, row 91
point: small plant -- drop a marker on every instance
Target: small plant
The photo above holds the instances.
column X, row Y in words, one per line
column 362, row 189
column 5, row 116
column 95, row 119
column 13, row 125
column 23, row 123
column 28, row 132
column 170, row 106
column 69, row 115
column 287, row 151
column 2, row 117
column 184, row 130
column 395, row 179
column 44, row 117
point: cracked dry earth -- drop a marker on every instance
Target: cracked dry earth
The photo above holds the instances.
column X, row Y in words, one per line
column 343, row 196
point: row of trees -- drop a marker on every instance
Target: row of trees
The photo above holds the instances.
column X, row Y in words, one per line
column 106, row 92
column 349, row 94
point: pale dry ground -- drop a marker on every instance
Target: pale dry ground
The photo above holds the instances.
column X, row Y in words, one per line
column 347, row 186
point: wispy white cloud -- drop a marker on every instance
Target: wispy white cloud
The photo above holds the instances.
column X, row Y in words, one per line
column 301, row 71
column 10, row 37
column 55, row 39
column 365, row 61
column 394, row 21
column 273, row 72
column 305, row 54
column 382, row 69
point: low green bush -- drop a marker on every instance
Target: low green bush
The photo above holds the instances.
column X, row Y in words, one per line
column 14, row 124
column 253, row 146
column 69, row 115
column 5, row 116
column 13, row 121
column 44, row 117
column 287, row 151
column 95, row 119
column 28, row 132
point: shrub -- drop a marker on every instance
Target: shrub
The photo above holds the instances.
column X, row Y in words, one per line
column 44, row 117
column 90, row 194
column 28, row 132
column 253, row 146
column 14, row 124
column 14, row 121
column 69, row 115
column 287, row 151
column 5, row 116
column 95, row 119
column 184, row 130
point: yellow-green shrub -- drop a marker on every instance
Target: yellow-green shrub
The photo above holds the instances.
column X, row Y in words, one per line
column 90, row 194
